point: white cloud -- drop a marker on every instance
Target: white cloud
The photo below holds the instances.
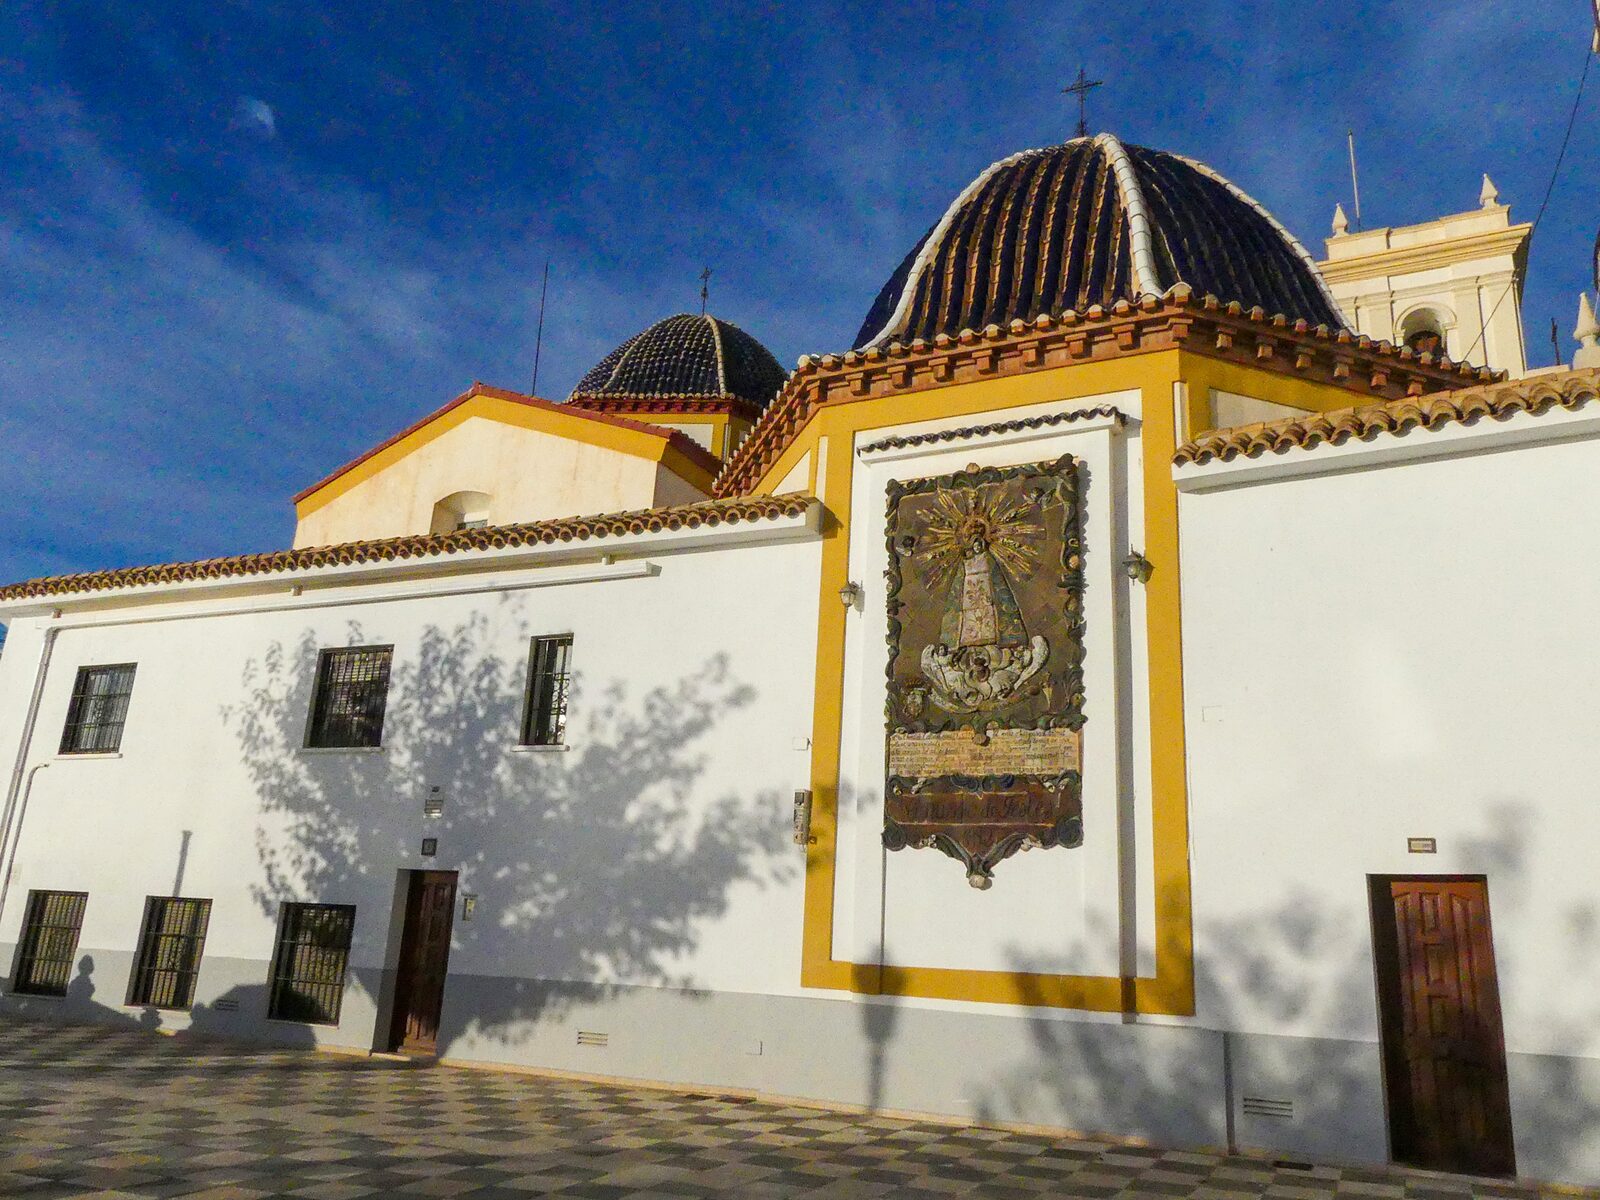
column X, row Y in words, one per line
column 162, row 394
column 255, row 117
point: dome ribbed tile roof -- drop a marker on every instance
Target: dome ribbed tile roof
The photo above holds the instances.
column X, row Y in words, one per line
column 686, row 357
column 1093, row 222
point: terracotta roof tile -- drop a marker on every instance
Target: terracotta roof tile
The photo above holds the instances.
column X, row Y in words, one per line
column 1569, row 390
column 1200, row 324
column 496, row 537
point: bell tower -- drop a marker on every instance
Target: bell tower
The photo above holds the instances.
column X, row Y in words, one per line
column 1452, row 284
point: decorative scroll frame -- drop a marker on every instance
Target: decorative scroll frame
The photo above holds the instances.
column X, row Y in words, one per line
column 1038, row 811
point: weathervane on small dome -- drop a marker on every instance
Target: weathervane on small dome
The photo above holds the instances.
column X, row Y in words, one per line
column 1081, row 87
column 705, row 289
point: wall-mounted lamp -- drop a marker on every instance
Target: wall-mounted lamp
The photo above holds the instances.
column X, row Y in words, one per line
column 1137, row 567
column 850, row 594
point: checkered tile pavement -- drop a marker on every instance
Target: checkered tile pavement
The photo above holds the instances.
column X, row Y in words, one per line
column 92, row 1111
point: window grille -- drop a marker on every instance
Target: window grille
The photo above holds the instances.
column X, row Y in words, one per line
column 544, row 718
column 98, row 710
column 308, row 968
column 49, row 942
column 170, row 946
column 352, row 692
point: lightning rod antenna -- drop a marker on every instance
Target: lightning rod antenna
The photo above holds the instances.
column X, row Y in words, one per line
column 538, row 339
column 1355, row 183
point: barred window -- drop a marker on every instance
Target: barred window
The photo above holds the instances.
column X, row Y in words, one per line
column 98, row 710
column 49, row 942
column 544, row 717
column 170, row 945
column 352, row 692
column 308, row 967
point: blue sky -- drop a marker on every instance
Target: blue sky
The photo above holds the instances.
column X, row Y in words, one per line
column 241, row 242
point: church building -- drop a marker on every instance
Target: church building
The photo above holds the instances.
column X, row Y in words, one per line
column 1135, row 690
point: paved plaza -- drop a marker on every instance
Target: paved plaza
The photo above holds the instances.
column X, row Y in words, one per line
column 96, row 1111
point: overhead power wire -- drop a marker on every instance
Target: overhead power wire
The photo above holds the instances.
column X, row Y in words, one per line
column 1555, row 174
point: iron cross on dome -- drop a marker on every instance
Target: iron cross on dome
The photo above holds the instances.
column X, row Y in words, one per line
column 1081, row 87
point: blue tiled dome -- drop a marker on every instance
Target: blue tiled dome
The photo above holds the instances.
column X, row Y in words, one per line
column 686, row 357
column 1093, row 222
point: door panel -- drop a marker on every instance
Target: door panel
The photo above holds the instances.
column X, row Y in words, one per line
column 1443, row 1047
column 424, row 961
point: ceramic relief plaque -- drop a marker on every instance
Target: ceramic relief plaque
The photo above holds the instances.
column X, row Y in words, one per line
column 985, row 708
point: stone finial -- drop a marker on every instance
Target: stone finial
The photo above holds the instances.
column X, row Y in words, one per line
column 1488, row 194
column 1587, row 335
column 1341, row 223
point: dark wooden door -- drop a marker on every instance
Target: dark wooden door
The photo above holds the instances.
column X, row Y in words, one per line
column 424, row 960
column 1443, row 1048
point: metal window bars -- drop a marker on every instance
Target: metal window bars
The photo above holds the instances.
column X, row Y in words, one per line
column 544, row 720
column 99, row 709
column 49, row 942
column 352, row 693
column 170, row 946
column 309, row 966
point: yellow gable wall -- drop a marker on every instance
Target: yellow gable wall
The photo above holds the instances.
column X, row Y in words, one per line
column 1175, row 389
column 709, row 430
column 529, row 473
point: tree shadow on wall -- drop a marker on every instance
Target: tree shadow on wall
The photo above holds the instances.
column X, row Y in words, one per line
column 1303, row 975
column 1171, row 1084
column 596, row 866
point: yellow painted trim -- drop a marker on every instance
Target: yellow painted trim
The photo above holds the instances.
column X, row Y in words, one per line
column 577, row 428
column 1204, row 374
column 803, row 443
column 685, row 468
column 718, row 423
column 1171, row 989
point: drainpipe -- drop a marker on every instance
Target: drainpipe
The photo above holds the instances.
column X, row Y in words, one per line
column 22, row 779
column 22, row 811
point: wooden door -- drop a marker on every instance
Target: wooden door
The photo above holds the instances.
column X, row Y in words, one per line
column 1443, row 1048
column 424, row 960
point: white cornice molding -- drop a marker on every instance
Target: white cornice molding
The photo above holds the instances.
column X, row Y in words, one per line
column 1391, row 449
column 1005, row 433
column 507, row 569
column 1410, row 260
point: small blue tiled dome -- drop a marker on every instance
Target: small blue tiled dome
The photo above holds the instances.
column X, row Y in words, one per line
column 686, row 357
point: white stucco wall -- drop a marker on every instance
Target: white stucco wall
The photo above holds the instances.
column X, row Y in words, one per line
column 528, row 475
column 654, row 850
column 1384, row 653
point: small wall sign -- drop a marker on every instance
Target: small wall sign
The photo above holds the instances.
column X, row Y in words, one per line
column 1420, row 845
column 430, row 847
column 469, row 905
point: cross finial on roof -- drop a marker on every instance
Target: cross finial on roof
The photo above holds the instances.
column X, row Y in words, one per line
column 1081, row 87
column 705, row 289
